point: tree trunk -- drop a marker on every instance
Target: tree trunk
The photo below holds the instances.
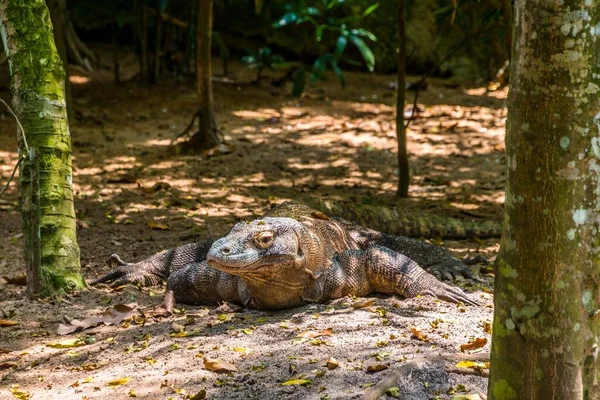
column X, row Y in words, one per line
column 58, row 14
column 207, row 135
column 403, row 169
column 45, row 176
column 546, row 326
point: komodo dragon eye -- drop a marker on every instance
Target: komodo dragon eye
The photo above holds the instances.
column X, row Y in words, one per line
column 264, row 239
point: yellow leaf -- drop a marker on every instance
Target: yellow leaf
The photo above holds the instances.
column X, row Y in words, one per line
column 293, row 382
column 473, row 364
column 421, row 336
column 131, row 393
column 8, row 322
column 66, row 343
column 117, row 382
column 216, row 365
column 475, row 344
column 152, row 224
column 243, row 350
column 363, row 304
column 18, row 394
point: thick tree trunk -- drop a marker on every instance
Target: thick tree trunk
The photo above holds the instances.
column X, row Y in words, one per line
column 45, row 176
column 546, row 325
column 403, row 168
column 207, row 135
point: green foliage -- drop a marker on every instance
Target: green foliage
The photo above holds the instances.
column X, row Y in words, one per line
column 264, row 58
column 329, row 23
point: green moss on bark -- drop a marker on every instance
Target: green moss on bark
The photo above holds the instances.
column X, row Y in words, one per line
column 45, row 184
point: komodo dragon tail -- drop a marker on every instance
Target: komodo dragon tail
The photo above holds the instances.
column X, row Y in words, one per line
column 408, row 223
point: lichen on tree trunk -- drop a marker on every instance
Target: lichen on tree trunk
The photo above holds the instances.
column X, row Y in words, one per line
column 546, row 322
column 45, row 175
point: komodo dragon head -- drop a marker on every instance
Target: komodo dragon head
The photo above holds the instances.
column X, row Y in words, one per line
column 279, row 259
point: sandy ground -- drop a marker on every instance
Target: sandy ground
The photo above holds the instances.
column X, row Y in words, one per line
column 330, row 144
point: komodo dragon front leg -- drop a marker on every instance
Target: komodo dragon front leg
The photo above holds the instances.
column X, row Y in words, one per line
column 382, row 270
column 156, row 268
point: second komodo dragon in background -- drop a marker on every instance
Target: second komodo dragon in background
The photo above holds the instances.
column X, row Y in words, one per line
column 292, row 256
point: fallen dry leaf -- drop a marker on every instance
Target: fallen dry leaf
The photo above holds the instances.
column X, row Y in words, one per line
column 474, row 345
column 117, row 382
column 8, row 322
column 216, row 365
column 222, row 148
column 473, row 364
column 421, row 336
column 363, row 304
column 111, row 316
column 377, row 367
column 315, row 334
column 332, row 363
column 152, row 224
column 65, row 344
column 293, row 382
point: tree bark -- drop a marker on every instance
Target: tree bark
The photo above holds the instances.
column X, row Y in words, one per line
column 45, row 175
column 546, row 323
column 207, row 135
column 403, row 168
column 58, row 14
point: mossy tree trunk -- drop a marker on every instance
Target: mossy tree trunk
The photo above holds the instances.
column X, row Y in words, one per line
column 403, row 168
column 546, row 321
column 208, row 134
column 45, row 175
column 58, row 15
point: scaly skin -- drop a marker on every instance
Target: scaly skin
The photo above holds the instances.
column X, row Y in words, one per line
column 294, row 256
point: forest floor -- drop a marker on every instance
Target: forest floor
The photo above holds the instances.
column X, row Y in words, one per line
column 330, row 144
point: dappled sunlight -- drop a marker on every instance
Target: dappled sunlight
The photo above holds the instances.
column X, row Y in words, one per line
column 78, row 79
column 260, row 114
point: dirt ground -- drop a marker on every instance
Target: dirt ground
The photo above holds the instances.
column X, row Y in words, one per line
column 331, row 144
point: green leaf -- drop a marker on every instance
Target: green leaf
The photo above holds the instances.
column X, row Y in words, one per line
column 299, row 81
column 313, row 11
column 318, row 68
column 287, row 19
column 364, row 33
column 319, row 33
column 334, row 4
column 337, row 71
column 340, row 46
column 365, row 51
column 370, row 9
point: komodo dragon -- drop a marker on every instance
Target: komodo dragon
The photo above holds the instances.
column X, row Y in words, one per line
column 292, row 256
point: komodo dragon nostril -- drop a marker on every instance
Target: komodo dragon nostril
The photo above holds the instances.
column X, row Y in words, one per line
column 226, row 250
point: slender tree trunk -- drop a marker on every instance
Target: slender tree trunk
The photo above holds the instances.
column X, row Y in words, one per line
column 157, row 48
column 58, row 14
column 45, row 176
column 546, row 321
column 208, row 134
column 508, row 20
column 403, row 169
